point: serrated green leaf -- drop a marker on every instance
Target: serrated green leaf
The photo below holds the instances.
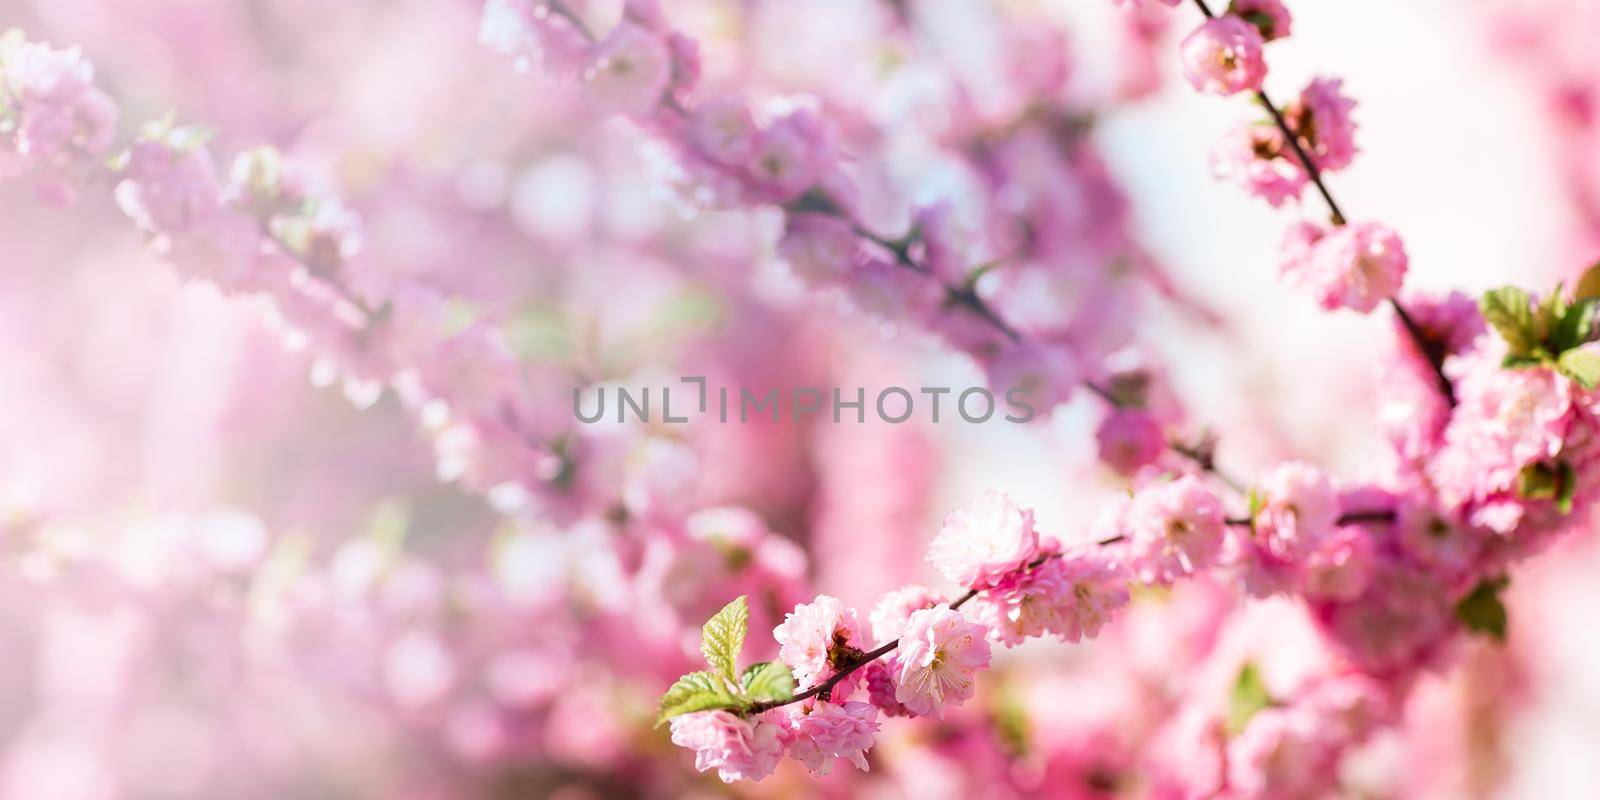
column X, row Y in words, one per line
column 1582, row 366
column 1481, row 610
column 697, row 691
column 1548, row 314
column 723, row 637
column 1575, row 327
column 1508, row 311
column 768, row 680
column 1588, row 285
column 1249, row 697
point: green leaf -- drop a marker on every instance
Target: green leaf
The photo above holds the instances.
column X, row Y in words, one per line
column 1481, row 610
column 1582, row 366
column 1548, row 315
column 1522, row 362
column 723, row 637
column 1249, row 696
column 768, row 680
column 1568, row 488
column 697, row 691
column 1588, row 285
column 1507, row 310
column 1575, row 326
column 1538, row 482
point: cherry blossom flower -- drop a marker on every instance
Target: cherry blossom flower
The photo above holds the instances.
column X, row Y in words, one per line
column 815, row 636
column 1130, row 439
column 1352, row 266
column 822, row 731
column 984, row 541
column 1177, row 529
column 1256, row 157
column 889, row 616
column 1320, row 116
column 738, row 748
column 1223, row 56
column 939, row 653
column 1271, row 17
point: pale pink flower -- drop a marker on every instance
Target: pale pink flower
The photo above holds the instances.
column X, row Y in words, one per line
column 822, row 731
column 814, row 635
column 1257, row 158
column 1320, row 117
column 1177, row 528
column 1300, row 509
column 1505, row 420
column 1224, row 56
column 1283, row 754
column 1351, row 266
column 889, row 616
column 984, row 541
column 1071, row 597
column 1097, row 588
column 1342, row 567
column 168, row 188
column 786, row 159
column 939, row 653
column 820, row 249
column 1271, row 17
column 736, row 747
column 1129, row 439
column 629, row 70
column 722, row 130
column 1039, row 374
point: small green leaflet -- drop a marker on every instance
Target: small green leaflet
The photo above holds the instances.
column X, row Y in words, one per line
column 1482, row 612
column 723, row 687
column 1583, row 366
column 1249, row 697
column 697, row 691
column 723, row 637
column 768, row 680
column 1588, row 286
column 1508, row 311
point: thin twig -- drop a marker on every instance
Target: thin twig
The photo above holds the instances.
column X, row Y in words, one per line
column 1430, row 350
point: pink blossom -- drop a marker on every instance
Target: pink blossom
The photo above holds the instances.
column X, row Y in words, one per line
column 814, row 635
column 1256, row 157
column 1299, row 510
column 889, row 616
column 1177, row 529
column 1041, row 374
column 1352, row 266
column 1071, row 597
column 819, row 248
column 1283, row 754
column 1223, row 56
column 1320, row 117
column 736, row 747
column 167, row 188
column 882, row 679
column 1271, row 17
column 722, row 130
column 1130, row 439
column 787, row 157
column 984, row 541
column 1342, row 567
column 629, row 70
column 1505, row 421
column 821, row 731
column 939, row 653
